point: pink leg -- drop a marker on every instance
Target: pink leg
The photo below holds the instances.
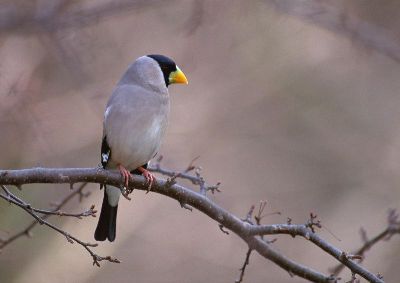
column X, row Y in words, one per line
column 126, row 175
column 148, row 176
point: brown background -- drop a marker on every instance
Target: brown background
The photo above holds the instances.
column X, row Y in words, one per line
column 278, row 108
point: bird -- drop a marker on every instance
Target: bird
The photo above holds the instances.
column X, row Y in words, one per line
column 135, row 121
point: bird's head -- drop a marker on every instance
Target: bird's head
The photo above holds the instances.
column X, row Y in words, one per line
column 171, row 72
column 154, row 71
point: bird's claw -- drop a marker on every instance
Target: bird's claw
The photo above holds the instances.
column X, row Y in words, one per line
column 126, row 175
column 150, row 178
column 125, row 193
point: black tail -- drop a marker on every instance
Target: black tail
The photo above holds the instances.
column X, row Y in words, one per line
column 107, row 221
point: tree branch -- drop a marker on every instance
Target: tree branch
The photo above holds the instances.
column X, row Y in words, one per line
column 8, row 196
column 27, row 230
column 248, row 232
column 393, row 227
column 11, row 198
column 243, row 268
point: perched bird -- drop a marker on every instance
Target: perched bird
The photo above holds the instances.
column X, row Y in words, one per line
column 135, row 121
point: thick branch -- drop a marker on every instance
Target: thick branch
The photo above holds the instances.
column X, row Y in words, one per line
column 199, row 201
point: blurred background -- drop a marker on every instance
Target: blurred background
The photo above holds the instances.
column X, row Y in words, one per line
column 293, row 102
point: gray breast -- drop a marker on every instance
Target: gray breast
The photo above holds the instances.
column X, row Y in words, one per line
column 135, row 122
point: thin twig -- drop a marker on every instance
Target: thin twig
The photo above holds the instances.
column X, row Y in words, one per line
column 90, row 212
column 27, row 231
column 393, row 227
column 243, row 268
column 42, row 221
column 257, row 217
column 196, row 179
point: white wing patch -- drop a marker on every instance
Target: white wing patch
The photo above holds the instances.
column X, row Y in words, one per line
column 104, row 157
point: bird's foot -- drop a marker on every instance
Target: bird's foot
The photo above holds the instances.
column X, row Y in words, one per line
column 148, row 176
column 126, row 175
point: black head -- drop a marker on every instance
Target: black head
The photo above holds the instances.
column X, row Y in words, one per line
column 166, row 64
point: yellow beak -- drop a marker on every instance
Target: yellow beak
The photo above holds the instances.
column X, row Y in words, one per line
column 177, row 77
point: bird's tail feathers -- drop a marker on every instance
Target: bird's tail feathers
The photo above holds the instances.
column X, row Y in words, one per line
column 106, row 227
